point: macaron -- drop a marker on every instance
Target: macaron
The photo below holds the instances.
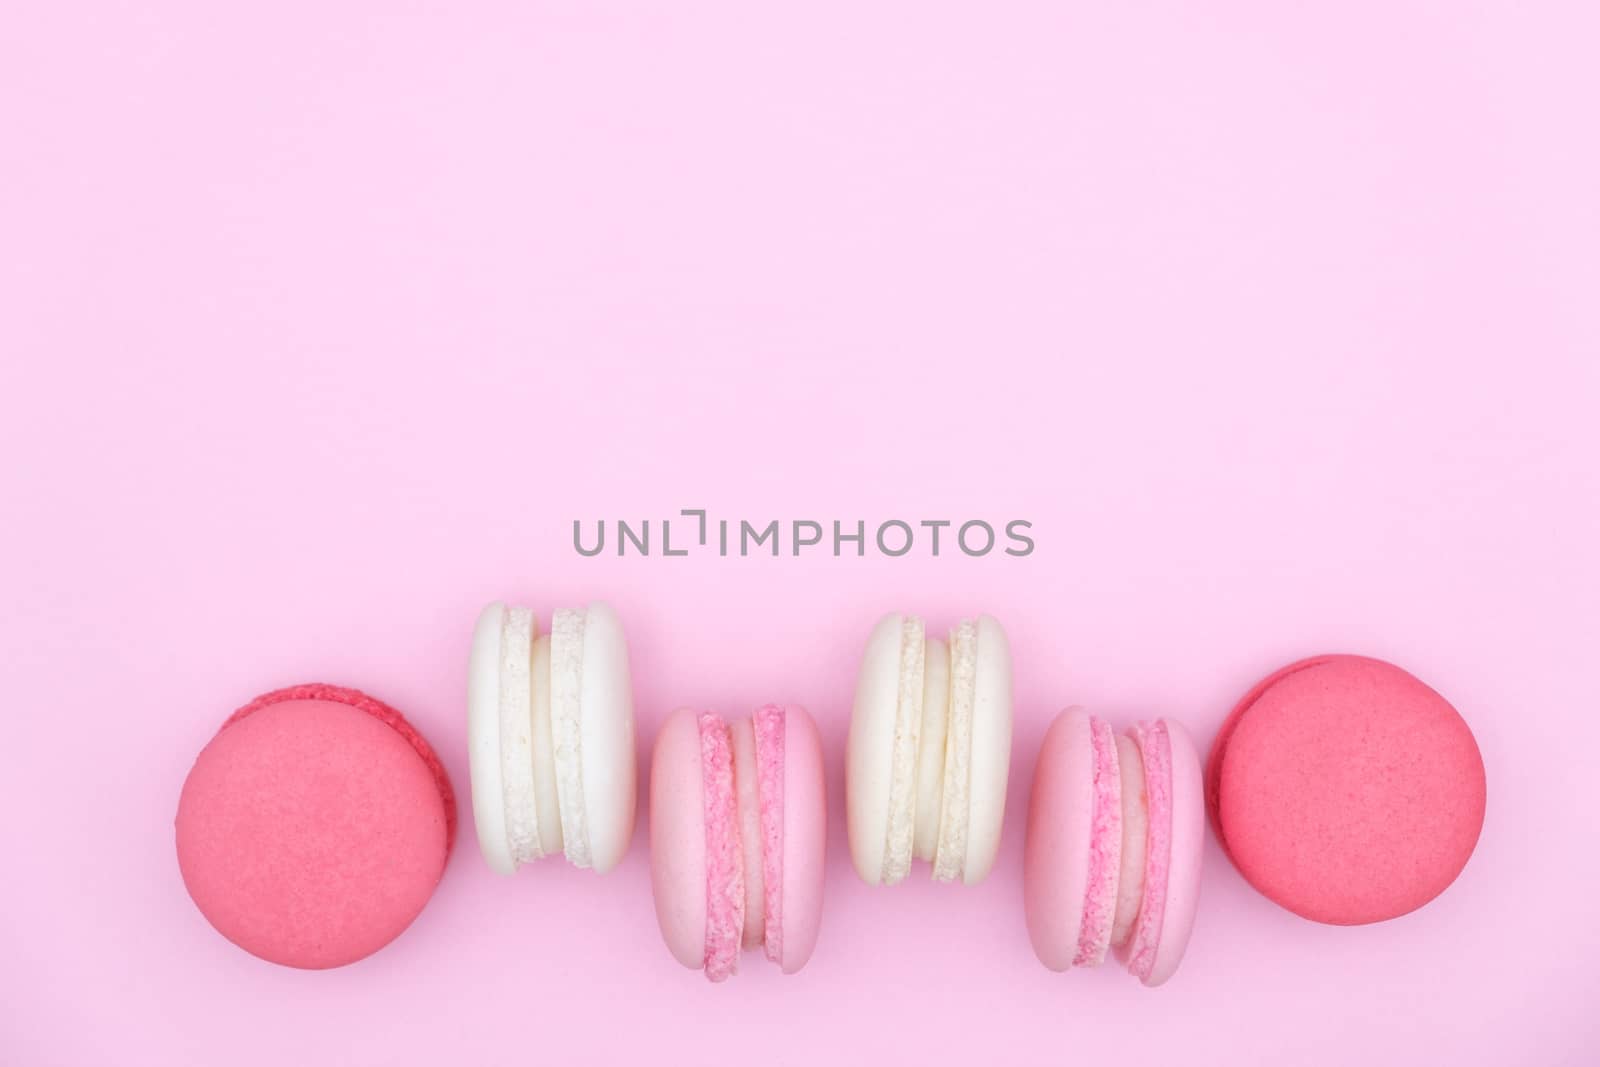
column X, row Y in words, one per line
column 550, row 737
column 737, row 827
column 929, row 750
column 1116, row 829
column 1346, row 790
column 314, row 826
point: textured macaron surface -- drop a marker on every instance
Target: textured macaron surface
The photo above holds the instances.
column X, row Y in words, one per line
column 1346, row 790
column 725, row 900
column 314, row 827
column 1105, row 849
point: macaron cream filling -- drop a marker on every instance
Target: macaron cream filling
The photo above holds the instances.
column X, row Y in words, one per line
column 1135, row 825
column 930, row 747
column 548, row 798
column 746, row 788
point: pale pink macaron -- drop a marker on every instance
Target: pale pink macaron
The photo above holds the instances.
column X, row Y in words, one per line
column 1116, row 828
column 737, row 827
column 314, row 826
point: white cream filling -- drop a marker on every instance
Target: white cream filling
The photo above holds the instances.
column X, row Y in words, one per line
column 1135, row 827
column 544, row 751
column 747, row 788
column 930, row 752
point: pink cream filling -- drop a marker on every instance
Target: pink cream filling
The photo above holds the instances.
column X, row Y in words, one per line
column 770, row 730
column 1105, row 849
column 1155, row 749
column 724, row 850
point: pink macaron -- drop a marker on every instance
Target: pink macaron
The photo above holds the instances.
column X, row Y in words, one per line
column 1346, row 790
column 314, row 826
column 737, row 826
column 1116, row 828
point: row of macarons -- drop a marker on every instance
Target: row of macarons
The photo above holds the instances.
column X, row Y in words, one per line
column 314, row 826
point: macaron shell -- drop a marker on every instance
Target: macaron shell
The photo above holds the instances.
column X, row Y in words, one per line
column 483, row 739
column 991, row 751
column 310, row 832
column 1055, row 859
column 678, row 838
column 1187, row 846
column 1219, row 744
column 1135, row 830
column 805, row 822
column 610, row 774
column 869, row 751
column 1347, row 790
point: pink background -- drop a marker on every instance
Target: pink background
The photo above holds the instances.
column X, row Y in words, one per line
column 320, row 324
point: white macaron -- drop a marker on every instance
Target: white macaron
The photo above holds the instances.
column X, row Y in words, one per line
column 550, row 737
column 929, row 750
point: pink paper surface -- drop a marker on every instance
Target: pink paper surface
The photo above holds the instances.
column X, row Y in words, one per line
column 321, row 323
